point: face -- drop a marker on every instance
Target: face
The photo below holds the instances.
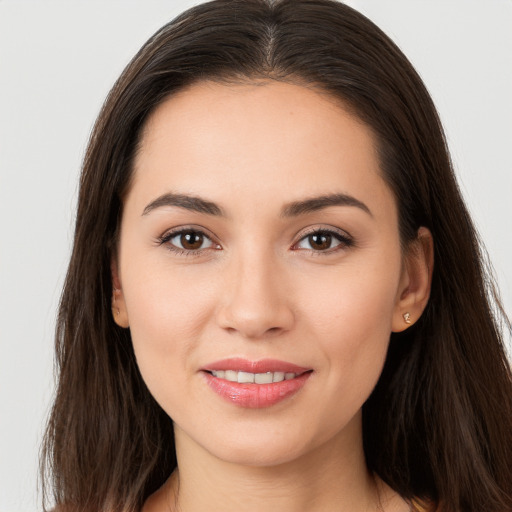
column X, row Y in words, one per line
column 259, row 269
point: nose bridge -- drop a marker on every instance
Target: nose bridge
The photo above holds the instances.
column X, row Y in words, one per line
column 255, row 303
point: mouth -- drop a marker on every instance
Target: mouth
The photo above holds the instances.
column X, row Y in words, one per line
column 269, row 382
column 253, row 378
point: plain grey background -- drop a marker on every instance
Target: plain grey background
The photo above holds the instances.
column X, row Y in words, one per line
column 58, row 60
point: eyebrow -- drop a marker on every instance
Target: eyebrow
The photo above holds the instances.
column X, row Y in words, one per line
column 192, row 203
column 294, row 209
column 319, row 203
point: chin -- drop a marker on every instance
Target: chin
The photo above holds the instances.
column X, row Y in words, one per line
column 259, row 455
column 252, row 445
column 260, row 444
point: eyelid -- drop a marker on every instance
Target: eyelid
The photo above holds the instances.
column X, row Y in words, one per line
column 346, row 239
column 164, row 239
column 343, row 237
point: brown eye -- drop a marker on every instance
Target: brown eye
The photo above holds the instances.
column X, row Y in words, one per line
column 191, row 240
column 324, row 241
column 188, row 240
column 320, row 241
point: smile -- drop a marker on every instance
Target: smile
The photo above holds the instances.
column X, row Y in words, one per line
column 269, row 382
column 256, row 378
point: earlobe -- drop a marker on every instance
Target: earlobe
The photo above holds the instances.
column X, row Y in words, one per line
column 416, row 281
column 119, row 311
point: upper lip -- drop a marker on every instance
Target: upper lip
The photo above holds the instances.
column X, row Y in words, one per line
column 261, row 366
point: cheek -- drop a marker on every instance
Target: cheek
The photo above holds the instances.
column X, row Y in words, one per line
column 352, row 318
column 353, row 298
column 167, row 311
column 164, row 299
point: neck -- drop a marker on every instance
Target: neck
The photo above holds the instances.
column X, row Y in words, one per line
column 332, row 476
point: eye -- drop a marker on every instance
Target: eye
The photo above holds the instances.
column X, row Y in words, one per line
column 323, row 240
column 187, row 241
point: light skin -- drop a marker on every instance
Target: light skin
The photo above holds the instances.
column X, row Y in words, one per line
column 223, row 254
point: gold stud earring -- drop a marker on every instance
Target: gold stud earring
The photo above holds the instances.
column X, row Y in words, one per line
column 407, row 318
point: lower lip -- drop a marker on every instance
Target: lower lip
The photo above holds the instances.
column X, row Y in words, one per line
column 256, row 396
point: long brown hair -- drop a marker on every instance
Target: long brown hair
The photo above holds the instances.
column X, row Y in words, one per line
column 438, row 425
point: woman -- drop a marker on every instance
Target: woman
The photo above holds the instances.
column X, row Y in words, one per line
column 276, row 295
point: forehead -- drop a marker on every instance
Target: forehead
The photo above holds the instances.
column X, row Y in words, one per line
column 267, row 112
column 274, row 139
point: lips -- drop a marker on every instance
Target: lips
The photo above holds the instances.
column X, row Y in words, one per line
column 255, row 384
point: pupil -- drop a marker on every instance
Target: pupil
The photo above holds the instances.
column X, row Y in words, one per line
column 320, row 241
column 191, row 240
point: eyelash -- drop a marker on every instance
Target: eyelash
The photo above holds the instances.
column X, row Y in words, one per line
column 166, row 238
column 344, row 239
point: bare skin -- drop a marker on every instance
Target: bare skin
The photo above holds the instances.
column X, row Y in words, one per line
column 256, row 272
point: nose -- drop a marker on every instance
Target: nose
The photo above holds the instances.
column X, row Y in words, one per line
column 255, row 301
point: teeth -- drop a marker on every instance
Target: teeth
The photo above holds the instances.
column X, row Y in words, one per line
column 245, row 377
column 257, row 378
column 263, row 378
column 231, row 375
column 279, row 376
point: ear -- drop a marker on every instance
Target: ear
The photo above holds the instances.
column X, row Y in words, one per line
column 415, row 281
column 118, row 303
